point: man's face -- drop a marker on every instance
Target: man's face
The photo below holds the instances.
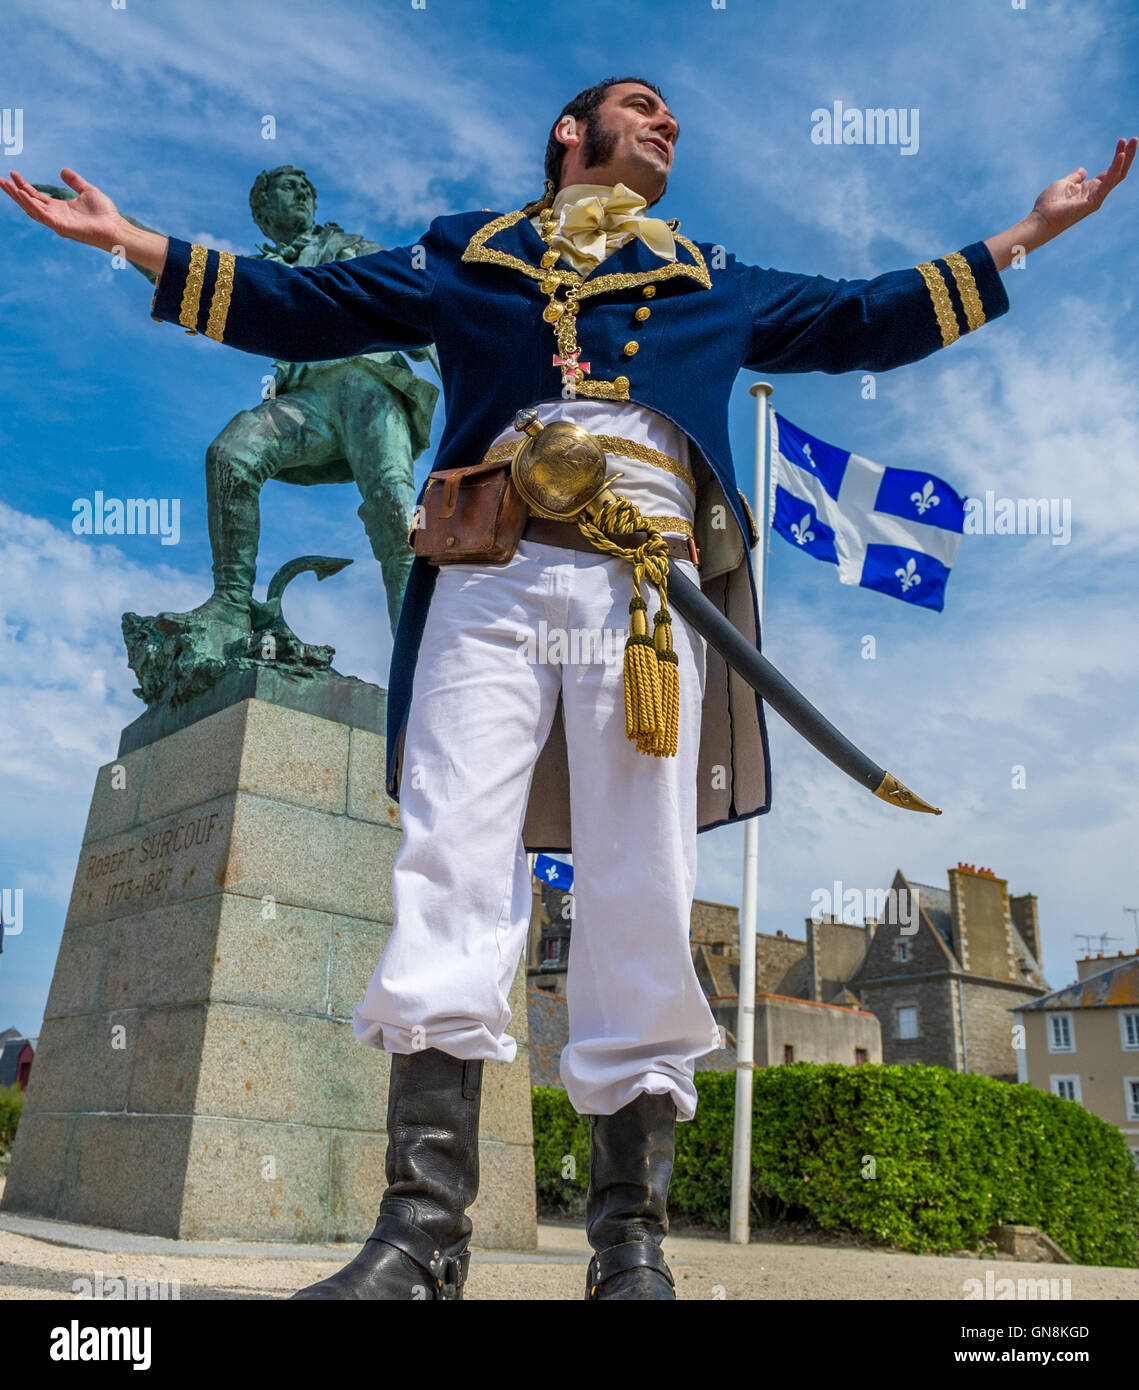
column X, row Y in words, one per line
column 290, row 208
column 631, row 139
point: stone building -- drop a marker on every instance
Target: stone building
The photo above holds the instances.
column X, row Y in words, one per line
column 1082, row 1042
column 942, row 980
column 16, row 1055
column 798, row 1029
column 939, row 973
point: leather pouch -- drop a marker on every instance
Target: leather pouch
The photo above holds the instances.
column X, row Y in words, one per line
column 472, row 513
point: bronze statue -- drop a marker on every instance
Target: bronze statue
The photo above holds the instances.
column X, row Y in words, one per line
column 361, row 419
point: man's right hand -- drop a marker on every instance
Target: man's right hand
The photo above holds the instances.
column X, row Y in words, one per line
column 89, row 217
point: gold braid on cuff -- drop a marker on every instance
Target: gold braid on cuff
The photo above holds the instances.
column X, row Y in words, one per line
column 223, row 288
column 192, row 291
column 939, row 293
column 967, row 289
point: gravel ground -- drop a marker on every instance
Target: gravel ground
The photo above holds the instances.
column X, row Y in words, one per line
column 705, row 1267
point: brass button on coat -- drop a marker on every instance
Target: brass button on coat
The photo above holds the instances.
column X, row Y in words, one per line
column 642, row 313
column 631, row 349
column 649, row 291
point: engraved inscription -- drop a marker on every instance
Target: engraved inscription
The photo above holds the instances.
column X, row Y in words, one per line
column 137, row 871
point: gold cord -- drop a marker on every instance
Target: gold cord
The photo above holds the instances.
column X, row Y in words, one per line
column 651, row 667
column 652, row 674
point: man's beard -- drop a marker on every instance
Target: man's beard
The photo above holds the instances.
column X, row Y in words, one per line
column 600, row 146
column 600, row 142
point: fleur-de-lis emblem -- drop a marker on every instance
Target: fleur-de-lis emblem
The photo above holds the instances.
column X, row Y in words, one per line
column 807, row 456
column 801, row 530
column 908, row 576
column 926, row 498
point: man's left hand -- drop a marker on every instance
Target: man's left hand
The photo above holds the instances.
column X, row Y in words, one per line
column 1060, row 206
column 1070, row 199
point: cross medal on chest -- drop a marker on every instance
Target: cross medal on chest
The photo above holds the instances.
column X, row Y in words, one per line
column 570, row 365
column 562, row 316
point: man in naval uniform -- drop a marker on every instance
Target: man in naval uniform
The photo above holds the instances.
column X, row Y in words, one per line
column 492, row 754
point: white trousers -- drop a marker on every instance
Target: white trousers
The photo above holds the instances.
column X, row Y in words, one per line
column 482, row 705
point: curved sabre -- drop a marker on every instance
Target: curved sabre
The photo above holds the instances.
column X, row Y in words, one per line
column 782, row 696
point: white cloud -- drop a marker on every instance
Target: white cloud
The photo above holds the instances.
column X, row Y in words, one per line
column 397, row 123
column 349, row 98
column 951, row 712
column 66, row 686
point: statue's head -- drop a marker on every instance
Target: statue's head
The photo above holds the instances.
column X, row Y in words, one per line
column 283, row 202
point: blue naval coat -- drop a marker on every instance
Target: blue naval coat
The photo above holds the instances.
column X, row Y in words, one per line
column 473, row 286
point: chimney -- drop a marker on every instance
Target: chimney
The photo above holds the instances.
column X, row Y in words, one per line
column 982, row 920
column 1097, row 964
column 1026, row 920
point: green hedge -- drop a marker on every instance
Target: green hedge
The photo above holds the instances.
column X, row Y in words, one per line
column 11, row 1103
column 951, row 1156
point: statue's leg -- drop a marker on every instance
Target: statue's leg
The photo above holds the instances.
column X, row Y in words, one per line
column 377, row 444
column 256, row 445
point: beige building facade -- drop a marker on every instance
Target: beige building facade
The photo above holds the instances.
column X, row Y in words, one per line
column 1082, row 1042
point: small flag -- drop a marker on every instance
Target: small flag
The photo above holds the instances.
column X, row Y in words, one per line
column 896, row 530
column 554, row 871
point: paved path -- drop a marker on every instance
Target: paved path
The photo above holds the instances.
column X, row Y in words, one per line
column 42, row 1259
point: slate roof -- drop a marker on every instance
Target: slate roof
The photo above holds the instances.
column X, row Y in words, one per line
column 10, row 1048
column 934, row 902
column 1118, row 985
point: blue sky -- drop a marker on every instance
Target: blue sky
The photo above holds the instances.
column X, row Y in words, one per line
column 399, row 114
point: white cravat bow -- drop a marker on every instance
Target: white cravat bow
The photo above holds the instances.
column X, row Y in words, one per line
column 593, row 227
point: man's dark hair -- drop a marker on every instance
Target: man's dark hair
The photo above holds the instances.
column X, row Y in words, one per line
column 584, row 108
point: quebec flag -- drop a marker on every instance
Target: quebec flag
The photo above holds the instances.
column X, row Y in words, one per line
column 555, row 871
column 890, row 529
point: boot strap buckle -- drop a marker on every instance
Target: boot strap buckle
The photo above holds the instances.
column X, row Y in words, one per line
column 631, row 1254
column 448, row 1271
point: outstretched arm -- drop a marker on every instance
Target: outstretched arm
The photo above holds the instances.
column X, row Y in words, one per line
column 66, row 195
column 1062, row 205
column 293, row 313
column 89, row 216
column 809, row 323
column 803, row 323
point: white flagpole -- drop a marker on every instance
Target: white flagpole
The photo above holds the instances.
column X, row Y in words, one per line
column 745, row 1015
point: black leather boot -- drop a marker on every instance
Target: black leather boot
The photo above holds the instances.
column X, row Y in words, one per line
column 419, row 1247
column 631, row 1155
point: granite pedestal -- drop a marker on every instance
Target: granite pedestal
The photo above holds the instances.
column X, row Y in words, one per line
column 197, row 1076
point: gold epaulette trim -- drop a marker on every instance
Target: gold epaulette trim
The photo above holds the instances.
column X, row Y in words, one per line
column 614, row 444
column 192, row 290
column 223, row 288
column 664, row 524
column 477, row 250
column 967, row 289
column 604, row 390
column 631, row 449
column 939, row 293
column 751, row 519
